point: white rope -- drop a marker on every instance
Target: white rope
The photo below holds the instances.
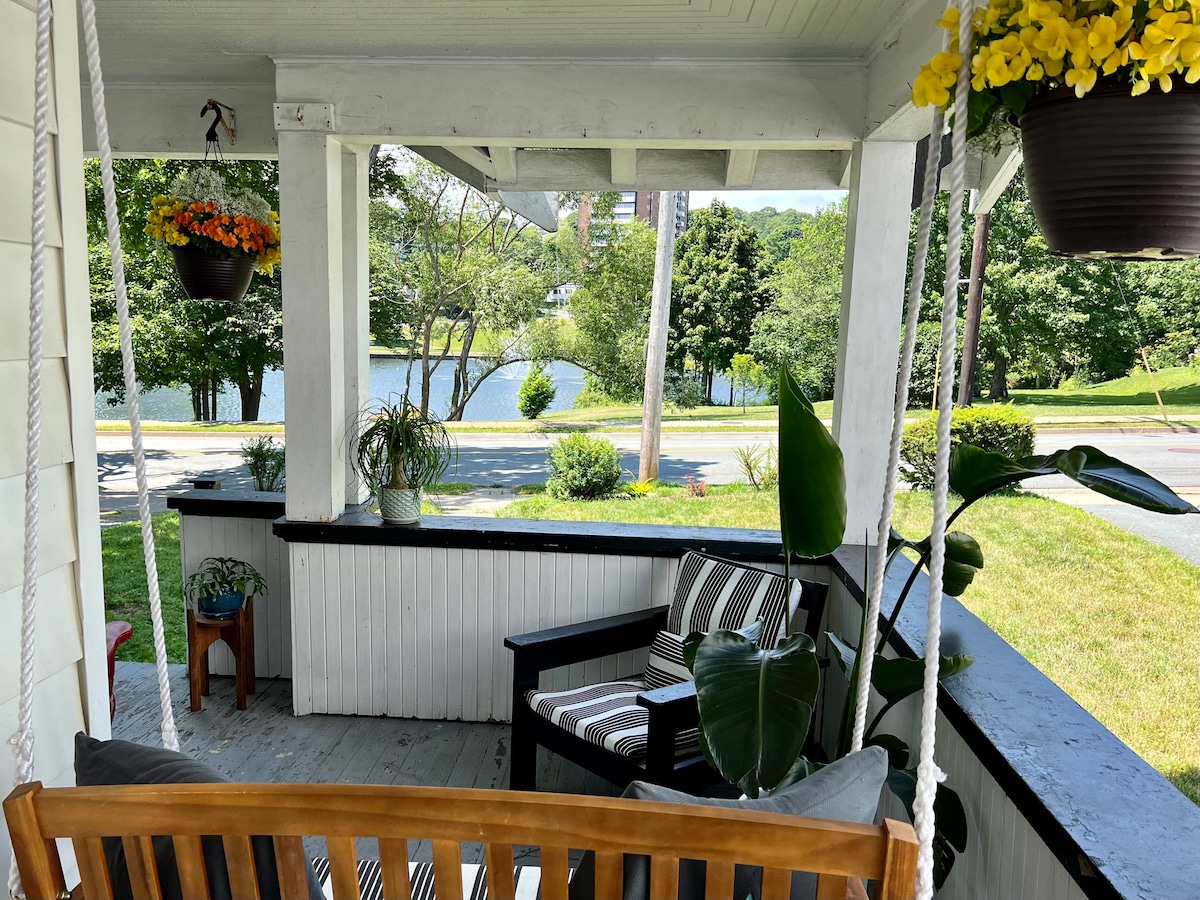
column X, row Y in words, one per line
column 928, row 773
column 866, row 653
column 170, row 736
column 23, row 740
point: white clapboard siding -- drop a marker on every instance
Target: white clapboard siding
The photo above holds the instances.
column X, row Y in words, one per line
column 249, row 540
column 1005, row 857
column 70, row 675
column 419, row 631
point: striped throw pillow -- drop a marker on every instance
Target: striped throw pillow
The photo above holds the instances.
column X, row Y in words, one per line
column 712, row 593
column 666, row 666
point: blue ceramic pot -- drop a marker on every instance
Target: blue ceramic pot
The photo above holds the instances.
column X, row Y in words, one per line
column 221, row 606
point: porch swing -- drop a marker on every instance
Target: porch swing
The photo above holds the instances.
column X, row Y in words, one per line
column 610, row 829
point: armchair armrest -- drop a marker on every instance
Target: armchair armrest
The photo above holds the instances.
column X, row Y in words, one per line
column 537, row 651
column 672, row 707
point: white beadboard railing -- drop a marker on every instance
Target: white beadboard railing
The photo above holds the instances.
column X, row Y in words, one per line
column 251, row 540
column 1005, row 858
column 419, row 631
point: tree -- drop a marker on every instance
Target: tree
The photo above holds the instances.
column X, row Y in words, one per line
column 746, row 374
column 453, row 270
column 722, row 282
column 178, row 341
column 611, row 313
column 777, row 228
column 801, row 326
column 536, row 393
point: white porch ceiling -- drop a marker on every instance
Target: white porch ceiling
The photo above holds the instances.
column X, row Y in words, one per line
column 229, row 40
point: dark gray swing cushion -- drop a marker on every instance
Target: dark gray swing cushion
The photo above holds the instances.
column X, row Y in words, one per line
column 122, row 762
column 846, row 791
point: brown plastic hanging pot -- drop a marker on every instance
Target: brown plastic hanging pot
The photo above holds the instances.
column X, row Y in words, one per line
column 208, row 277
column 1112, row 176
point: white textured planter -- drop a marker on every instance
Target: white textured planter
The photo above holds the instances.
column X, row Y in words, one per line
column 400, row 507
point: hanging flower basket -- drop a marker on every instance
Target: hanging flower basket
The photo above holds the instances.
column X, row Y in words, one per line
column 1113, row 175
column 1106, row 97
column 207, row 277
column 218, row 237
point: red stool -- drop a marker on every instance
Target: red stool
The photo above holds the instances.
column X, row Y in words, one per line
column 115, row 634
column 238, row 634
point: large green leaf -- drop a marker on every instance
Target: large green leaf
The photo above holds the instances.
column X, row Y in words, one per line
column 1109, row 476
column 897, row 750
column 901, row 677
column 975, row 473
column 755, row 705
column 842, row 652
column 812, row 476
column 963, row 559
column 950, row 820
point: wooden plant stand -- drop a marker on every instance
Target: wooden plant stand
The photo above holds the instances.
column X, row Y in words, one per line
column 238, row 634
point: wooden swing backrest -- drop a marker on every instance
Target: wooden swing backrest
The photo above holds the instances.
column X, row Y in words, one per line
column 554, row 823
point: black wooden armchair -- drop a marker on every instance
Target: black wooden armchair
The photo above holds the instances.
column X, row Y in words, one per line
column 644, row 726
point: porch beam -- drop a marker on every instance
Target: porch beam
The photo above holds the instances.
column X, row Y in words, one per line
column 356, row 164
column 739, row 168
column 873, row 280
column 504, row 163
column 675, row 170
column 622, row 164
column 441, row 156
column 898, row 56
column 586, row 103
column 997, row 172
column 475, row 158
column 310, row 202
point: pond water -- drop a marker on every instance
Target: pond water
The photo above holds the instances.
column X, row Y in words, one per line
column 496, row 399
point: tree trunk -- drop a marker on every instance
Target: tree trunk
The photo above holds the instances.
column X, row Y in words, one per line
column 731, row 395
column 426, row 344
column 203, row 388
column 462, row 388
column 999, row 386
column 215, row 386
column 195, row 403
column 970, row 354
column 250, row 390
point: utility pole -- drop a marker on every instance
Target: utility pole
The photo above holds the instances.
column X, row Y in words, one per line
column 970, row 353
column 656, row 345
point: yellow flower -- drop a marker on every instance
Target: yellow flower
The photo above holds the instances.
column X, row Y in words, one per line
column 1140, row 87
column 1083, row 80
column 949, row 19
column 1103, row 38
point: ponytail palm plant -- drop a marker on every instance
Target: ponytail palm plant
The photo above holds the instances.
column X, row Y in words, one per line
column 397, row 448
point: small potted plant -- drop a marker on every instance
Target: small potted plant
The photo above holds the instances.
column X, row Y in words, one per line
column 220, row 585
column 218, row 237
column 398, row 450
column 1106, row 100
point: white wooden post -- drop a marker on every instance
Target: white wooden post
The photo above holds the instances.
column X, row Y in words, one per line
column 310, row 202
column 873, row 281
column 355, row 294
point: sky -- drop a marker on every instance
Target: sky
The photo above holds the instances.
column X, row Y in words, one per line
column 805, row 201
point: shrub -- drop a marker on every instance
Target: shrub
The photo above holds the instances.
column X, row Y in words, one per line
column 760, row 466
column 683, row 391
column 265, row 460
column 536, row 393
column 590, row 398
column 1176, row 348
column 638, row 489
column 695, row 488
column 582, row 467
column 997, row 429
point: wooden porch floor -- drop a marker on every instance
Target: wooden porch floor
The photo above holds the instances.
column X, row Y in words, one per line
column 266, row 743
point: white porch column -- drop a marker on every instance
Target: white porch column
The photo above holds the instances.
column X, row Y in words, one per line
column 310, row 201
column 873, row 282
column 355, row 297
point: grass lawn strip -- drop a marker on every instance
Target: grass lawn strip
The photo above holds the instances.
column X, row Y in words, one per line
column 1111, row 618
column 126, row 595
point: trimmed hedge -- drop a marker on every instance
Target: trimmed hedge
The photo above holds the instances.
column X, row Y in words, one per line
column 997, row 429
column 536, row 393
column 582, row 467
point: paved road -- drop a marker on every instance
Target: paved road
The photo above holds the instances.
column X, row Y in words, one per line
column 510, row 459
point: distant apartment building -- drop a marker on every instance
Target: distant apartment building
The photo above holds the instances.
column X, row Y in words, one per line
column 636, row 205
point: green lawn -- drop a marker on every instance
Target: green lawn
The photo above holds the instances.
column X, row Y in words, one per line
column 1111, row 618
column 1131, row 396
column 125, row 592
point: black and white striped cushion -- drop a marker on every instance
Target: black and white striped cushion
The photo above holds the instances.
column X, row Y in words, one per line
column 712, row 593
column 474, row 878
column 606, row 715
column 665, row 665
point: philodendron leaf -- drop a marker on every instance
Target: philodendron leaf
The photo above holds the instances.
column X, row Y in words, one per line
column 975, row 473
column 755, row 705
column 896, row 541
column 901, row 677
column 897, row 750
column 1109, row 476
column 751, row 632
column 842, row 652
column 812, row 476
column 963, row 559
column 950, row 820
